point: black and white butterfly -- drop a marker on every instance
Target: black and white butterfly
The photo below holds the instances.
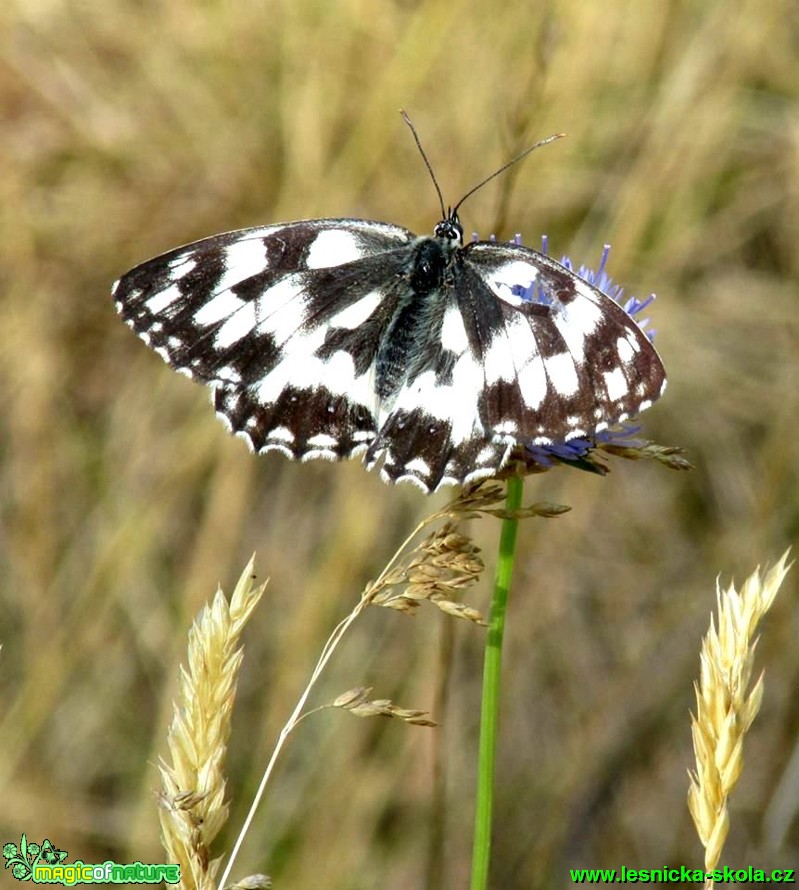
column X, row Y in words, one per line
column 327, row 338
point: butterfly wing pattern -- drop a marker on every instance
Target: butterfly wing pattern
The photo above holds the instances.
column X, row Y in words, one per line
column 334, row 337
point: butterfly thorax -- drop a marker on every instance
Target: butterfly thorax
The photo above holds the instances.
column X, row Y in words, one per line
column 417, row 319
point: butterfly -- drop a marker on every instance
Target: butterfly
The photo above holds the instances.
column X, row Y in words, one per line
column 328, row 338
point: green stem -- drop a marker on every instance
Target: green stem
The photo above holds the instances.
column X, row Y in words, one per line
column 492, row 667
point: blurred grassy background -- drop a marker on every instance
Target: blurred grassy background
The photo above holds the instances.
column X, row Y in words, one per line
column 131, row 127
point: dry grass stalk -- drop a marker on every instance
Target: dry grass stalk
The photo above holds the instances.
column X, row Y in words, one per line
column 444, row 563
column 193, row 807
column 725, row 706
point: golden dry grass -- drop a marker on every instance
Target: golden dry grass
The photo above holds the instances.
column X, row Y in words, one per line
column 129, row 128
column 193, row 799
column 726, row 704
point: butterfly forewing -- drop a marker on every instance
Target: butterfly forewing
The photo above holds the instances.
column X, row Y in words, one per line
column 282, row 321
column 325, row 338
column 566, row 368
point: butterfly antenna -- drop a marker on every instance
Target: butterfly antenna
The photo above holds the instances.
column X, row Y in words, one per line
column 504, row 167
column 409, row 122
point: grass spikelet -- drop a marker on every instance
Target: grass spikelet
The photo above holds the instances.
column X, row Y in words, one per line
column 670, row 456
column 192, row 800
column 357, row 702
column 444, row 563
column 725, row 704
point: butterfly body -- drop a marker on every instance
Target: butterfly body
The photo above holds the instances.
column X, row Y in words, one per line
column 334, row 337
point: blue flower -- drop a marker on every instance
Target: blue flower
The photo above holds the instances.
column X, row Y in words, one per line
column 600, row 279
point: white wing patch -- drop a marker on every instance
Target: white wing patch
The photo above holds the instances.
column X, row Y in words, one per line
column 616, row 384
column 354, row 316
column 333, row 247
column 162, row 300
column 220, row 307
column 562, row 374
column 515, row 273
column 181, row 266
column 626, row 349
column 282, row 309
column 300, row 369
column 453, row 403
column 243, row 259
column 238, row 326
column 453, row 332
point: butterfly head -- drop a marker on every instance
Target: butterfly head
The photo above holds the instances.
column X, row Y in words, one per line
column 450, row 229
